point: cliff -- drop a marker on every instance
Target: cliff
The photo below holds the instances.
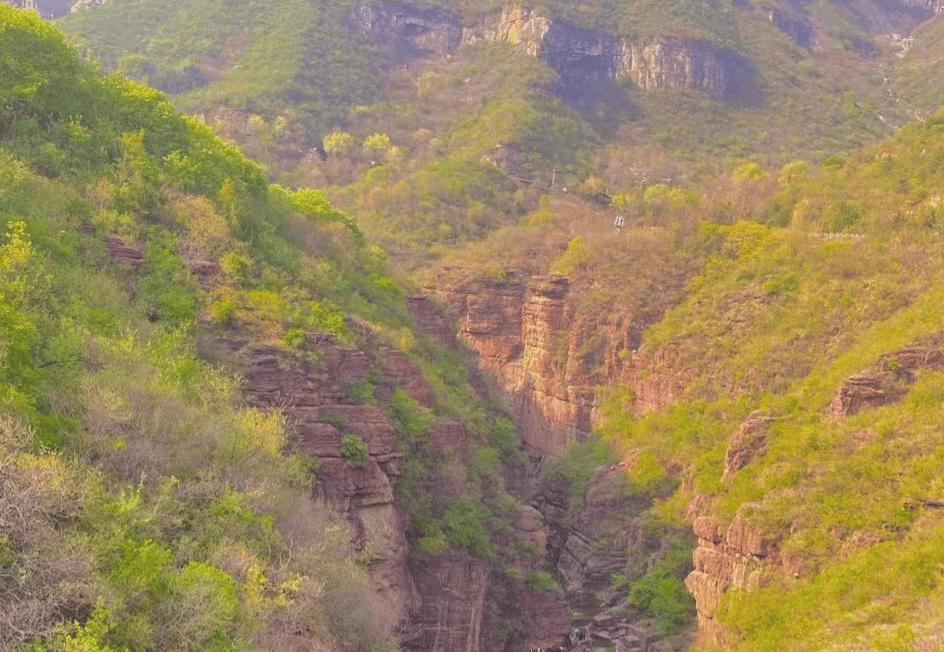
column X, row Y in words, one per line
column 437, row 605
column 406, row 31
column 551, row 357
column 48, row 9
column 521, row 334
column 583, row 58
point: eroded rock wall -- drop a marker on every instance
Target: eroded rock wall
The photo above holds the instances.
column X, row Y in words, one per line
column 405, row 31
column 450, row 618
column 521, row 334
column 549, row 356
column 738, row 556
column 437, row 606
column 585, row 57
column 48, row 9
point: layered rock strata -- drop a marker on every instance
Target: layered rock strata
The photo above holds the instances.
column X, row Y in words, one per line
column 48, row 9
column 315, row 400
column 583, row 57
column 736, row 557
column 888, row 380
column 520, row 334
column 437, row 606
column 549, row 357
column 451, row 615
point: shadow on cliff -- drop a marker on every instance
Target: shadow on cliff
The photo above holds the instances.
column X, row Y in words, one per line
column 746, row 88
column 605, row 104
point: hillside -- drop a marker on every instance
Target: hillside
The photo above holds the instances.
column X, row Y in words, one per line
column 770, row 346
column 220, row 426
column 655, row 90
column 715, row 428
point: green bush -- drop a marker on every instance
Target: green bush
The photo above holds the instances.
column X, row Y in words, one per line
column 353, row 451
column 411, row 419
column 464, row 525
column 541, row 581
column 661, row 592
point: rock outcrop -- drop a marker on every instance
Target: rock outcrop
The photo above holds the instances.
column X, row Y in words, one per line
column 798, row 28
column 438, row 605
column 405, row 31
column 48, row 9
column 741, row 555
column 452, row 612
column 736, row 557
column 889, row 378
column 549, row 357
column 746, row 445
column 585, row 58
column 520, row 332
column 314, row 397
column 669, row 62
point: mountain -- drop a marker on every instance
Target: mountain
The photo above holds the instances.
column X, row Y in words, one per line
column 394, row 107
column 713, row 427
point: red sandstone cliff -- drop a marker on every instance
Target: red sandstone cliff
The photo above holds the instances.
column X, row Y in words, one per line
column 437, row 605
column 551, row 356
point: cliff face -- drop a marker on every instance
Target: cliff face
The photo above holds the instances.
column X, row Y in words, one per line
column 451, row 615
column 48, row 9
column 520, row 331
column 584, row 57
column 737, row 557
column 681, row 63
column 549, row 357
column 408, row 32
column 437, row 606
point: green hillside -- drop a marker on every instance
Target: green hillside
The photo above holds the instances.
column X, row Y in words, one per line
column 403, row 148
column 144, row 504
column 777, row 286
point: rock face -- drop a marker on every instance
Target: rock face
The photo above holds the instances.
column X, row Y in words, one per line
column 746, row 445
column 586, row 58
column 549, row 357
column 888, row 379
column 315, row 400
column 520, row 331
column 583, row 58
column 741, row 555
column 736, row 557
column 406, row 31
column 48, row 9
column 452, row 613
column 892, row 15
column 437, row 605
column 681, row 63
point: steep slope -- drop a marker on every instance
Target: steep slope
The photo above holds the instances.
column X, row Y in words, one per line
column 809, row 483
column 219, row 426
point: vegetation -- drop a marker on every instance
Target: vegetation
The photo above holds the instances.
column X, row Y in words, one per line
column 143, row 505
column 774, row 246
